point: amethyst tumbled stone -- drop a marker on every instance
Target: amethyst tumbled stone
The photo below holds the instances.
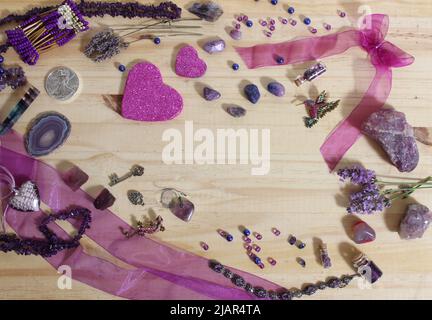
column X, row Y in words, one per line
column 415, row 222
column 214, row 46
column 396, row 137
column 276, row 89
column 211, row 94
column 46, row 133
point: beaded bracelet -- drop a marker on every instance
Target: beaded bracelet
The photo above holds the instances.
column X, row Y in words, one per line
column 284, row 294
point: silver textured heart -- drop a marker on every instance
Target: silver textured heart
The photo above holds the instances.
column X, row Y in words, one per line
column 26, row 198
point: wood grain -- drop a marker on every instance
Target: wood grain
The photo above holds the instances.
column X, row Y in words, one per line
column 298, row 196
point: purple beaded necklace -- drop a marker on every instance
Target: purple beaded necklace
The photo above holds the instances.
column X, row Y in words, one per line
column 52, row 244
column 42, row 29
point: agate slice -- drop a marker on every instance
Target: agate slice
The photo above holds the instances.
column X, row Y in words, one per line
column 47, row 133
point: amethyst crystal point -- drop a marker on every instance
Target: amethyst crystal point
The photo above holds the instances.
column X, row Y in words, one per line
column 396, row 137
column 207, row 10
column 211, row 94
column 214, row 46
column 182, row 208
column 104, row 200
column 415, row 222
column 75, row 178
column 46, row 133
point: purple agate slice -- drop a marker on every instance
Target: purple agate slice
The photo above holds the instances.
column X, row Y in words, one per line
column 395, row 136
column 46, row 133
column 415, row 222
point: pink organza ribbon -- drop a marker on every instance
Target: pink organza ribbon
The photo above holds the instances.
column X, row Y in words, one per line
column 157, row 271
column 383, row 55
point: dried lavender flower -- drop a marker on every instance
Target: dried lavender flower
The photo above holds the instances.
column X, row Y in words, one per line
column 357, row 175
column 367, row 201
column 15, row 77
column 104, row 45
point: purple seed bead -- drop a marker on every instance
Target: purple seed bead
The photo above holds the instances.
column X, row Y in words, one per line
column 341, row 14
column 313, row 30
column 284, row 21
column 257, row 248
column 327, row 26
column 245, row 18
column 240, row 18
column 261, row 265
column 248, row 247
column 237, row 26
column 292, row 240
column 257, row 235
column 204, row 246
column 268, row 34
column 276, row 232
column 247, row 239
column 272, row 22
column 293, row 22
column 272, row 261
column 263, row 23
column 272, row 28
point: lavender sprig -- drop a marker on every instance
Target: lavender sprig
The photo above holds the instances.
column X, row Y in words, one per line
column 373, row 197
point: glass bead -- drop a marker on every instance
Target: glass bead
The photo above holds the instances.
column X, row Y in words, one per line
column 274, row 2
column 307, row 21
column 122, row 68
column 268, row 34
column 341, row 14
column 229, row 238
column 235, row 66
column 248, row 247
column 293, row 22
column 263, row 23
column 246, row 232
column 228, row 273
column 301, row 262
column 272, row 28
column 279, row 60
column 272, row 22
column 291, row 10
column 313, row 30
column 1, row 59
column 156, row 40
column 284, row 21
column 257, row 235
column 327, row 26
column 249, row 23
column 301, row 245
column 261, row 265
column 292, row 240
column 272, row 261
column 240, row 18
column 247, row 239
column 237, row 26
column 257, row 248
column 204, row 246
column 276, row 232
column 245, row 18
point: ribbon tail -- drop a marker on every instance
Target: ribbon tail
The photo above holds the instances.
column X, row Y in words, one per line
column 349, row 130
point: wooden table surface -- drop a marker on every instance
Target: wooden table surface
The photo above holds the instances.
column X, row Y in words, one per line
column 298, row 196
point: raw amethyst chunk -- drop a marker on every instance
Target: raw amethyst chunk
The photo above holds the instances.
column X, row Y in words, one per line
column 208, row 10
column 395, row 136
column 214, row 46
column 104, row 200
column 46, row 133
column 75, row 178
column 415, row 222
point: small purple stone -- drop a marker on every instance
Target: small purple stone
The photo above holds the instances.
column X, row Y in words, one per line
column 75, row 178
column 416, row 221
column 236, row 34
column 363, row 233
column 211, row 94
column 214, row 46
column 104, row 200
column 182, row 208
column 207, row 10
column 395, row 136
column 236, row 111
column 47, row 133
column 276, row 88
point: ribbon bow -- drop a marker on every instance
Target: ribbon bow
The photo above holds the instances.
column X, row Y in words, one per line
column 383, row 55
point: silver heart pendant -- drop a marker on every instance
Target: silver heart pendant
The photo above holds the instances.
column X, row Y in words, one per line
column 26, row 198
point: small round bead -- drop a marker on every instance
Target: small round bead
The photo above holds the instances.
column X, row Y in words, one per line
column 291, row 10
column 257, row 248
column 261, row 265
column 122, row 68
column 284, row 21
column 327, row 26
column 272, row 28
column 272, row 261
column 204, row 246
column 313, row 30
column 248, row 247
column 301, row 262
column 341, row 14
column 237, row 26
column 245, row 18
column 229, row 238
column 307, row 21
column 275, row 231
column 240, row 18
column 292, row 240
column 268, row 34
column 247, row 239
column 263, row 23
column 279, row 60
column 293, row 22
column 1, row 59
column 274, row 2
column 249, row 23
column 257, row 235
column 272, row 22
column 246, row 232
column 157, row 40
column 235, row 66
column 257, row 260
column 301, row 245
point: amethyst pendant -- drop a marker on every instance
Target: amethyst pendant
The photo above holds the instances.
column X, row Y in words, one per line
column 46, row 133
column 26, row 198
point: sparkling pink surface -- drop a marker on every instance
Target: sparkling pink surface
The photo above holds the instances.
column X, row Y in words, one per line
column 188, row 64
column 147, row 98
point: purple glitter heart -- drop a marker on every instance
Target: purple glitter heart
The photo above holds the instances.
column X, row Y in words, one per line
column 188, row 64
column 147, row 98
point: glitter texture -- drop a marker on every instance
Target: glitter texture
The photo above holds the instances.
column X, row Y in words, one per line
column 147, row 98
column 188, row 64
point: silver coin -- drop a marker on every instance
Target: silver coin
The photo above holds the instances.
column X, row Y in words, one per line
column 62, row 83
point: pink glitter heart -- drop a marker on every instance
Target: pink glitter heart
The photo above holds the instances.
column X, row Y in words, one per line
column 188, row 64
column 147, row 98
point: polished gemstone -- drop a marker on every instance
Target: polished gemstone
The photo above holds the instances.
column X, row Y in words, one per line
column 252, row 93
column 207, row 10
column 276, row 88
column 214, row 46
column 211, row 94
column 75, row 178
column 104, row 200
column 236, row 34
column 182, row 208
column 392, row 131
column 415, row 222
column 363, row 233
column 236, row 111
column 47, row 133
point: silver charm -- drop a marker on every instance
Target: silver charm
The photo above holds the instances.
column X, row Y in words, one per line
column 62, row 83
column 136, row 198
column 26, row 198
column 135, row 171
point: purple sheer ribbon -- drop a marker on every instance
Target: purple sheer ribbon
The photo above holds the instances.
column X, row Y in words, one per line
column 383, row 54
column 157, row 270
